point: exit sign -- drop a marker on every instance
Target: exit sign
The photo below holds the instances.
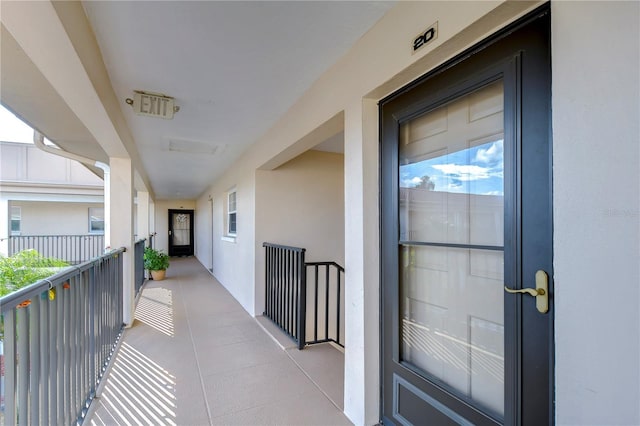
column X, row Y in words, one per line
column 153, row 105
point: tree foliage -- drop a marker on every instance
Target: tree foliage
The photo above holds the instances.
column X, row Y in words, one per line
column 24, row 268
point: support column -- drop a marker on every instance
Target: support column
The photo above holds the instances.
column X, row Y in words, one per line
column 5, row 232
column 362, row 242
column 121, row 229
column 143, row 215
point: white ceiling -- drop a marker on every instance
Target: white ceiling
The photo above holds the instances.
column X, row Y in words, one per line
column 233, row 67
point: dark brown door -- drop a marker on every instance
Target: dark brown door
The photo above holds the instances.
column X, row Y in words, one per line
column 466, row 212
column 180, row 232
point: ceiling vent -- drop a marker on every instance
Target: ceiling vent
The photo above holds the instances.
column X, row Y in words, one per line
column 195, row 147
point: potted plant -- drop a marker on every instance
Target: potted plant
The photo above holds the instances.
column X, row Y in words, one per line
column 156, row 262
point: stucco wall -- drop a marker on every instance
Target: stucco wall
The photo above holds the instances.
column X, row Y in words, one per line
column 233, row 260
column 596, row 145
column 301, row 204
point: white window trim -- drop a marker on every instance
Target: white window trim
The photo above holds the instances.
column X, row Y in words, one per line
column 92, row 232
column 231, row 236
column 19, row 231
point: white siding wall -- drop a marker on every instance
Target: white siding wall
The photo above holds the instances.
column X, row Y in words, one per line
column 596, row 145
column 47, row 218
column 26, row 163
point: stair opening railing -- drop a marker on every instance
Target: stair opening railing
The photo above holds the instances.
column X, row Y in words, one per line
column 309, row 311
column 285, row 290
column 328, row 302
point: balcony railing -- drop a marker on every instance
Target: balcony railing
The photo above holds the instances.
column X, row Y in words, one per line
column 74, row 249
column 58, row 337
column 309, row 311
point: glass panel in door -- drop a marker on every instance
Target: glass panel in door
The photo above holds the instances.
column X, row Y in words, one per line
column 181, row 229
column 451, row 241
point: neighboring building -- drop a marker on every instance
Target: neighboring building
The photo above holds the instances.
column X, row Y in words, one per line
column 45, row 195
column 524, row 116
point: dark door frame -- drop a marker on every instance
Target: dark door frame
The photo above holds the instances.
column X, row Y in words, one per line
column 527, row 82
column 186, row 250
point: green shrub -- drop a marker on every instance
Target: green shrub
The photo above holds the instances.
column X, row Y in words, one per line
column 155, row 260
column 24, row 268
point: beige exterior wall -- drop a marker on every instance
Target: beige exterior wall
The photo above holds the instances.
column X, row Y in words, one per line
column 301, row 204
column 596, row 155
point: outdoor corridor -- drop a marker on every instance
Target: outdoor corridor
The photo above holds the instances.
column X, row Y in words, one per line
column 195, row 357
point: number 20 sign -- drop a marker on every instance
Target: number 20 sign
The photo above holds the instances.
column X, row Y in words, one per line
column 425, row 37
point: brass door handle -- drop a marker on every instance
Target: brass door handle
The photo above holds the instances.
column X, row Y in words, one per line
column 541, row 292
column 531, row 291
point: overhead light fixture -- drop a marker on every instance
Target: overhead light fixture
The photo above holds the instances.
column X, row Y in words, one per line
column 153, row 104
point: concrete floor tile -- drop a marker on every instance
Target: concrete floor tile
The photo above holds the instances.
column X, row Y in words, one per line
column 255, row 386
column 194, row 356
column 325, row 366
column 238, row 355
column 311, row 408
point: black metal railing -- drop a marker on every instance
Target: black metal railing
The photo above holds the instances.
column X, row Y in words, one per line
column 58, row 336
column 138, row 256
column 328, row 302
column 285, row 297
column 307, row 316
column 74, row 249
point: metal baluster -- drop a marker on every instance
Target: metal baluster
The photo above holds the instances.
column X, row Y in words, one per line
column 54, row 375
column 44, row 354
column 10, row 372
column 315, row 309
column 34, row 359
column 339, row 305
column 60, row 296
column 287, row 277
column 295, row 294
column 302, row 309
column 326, row 303
column 92, row 332
column 23, row 366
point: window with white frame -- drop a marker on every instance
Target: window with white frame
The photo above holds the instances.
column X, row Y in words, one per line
column 96, row 220
column 232, row 225
column 16, row 220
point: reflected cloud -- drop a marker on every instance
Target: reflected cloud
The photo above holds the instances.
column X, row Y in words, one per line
column 476, row 170
column 464, row 172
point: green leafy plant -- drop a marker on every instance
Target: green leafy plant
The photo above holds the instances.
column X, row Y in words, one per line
column 155, row 260
column 24, row 268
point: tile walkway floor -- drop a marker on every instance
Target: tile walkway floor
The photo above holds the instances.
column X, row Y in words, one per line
column 194, row 357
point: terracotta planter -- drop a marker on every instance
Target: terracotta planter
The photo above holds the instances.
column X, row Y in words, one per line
column 158, row 275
